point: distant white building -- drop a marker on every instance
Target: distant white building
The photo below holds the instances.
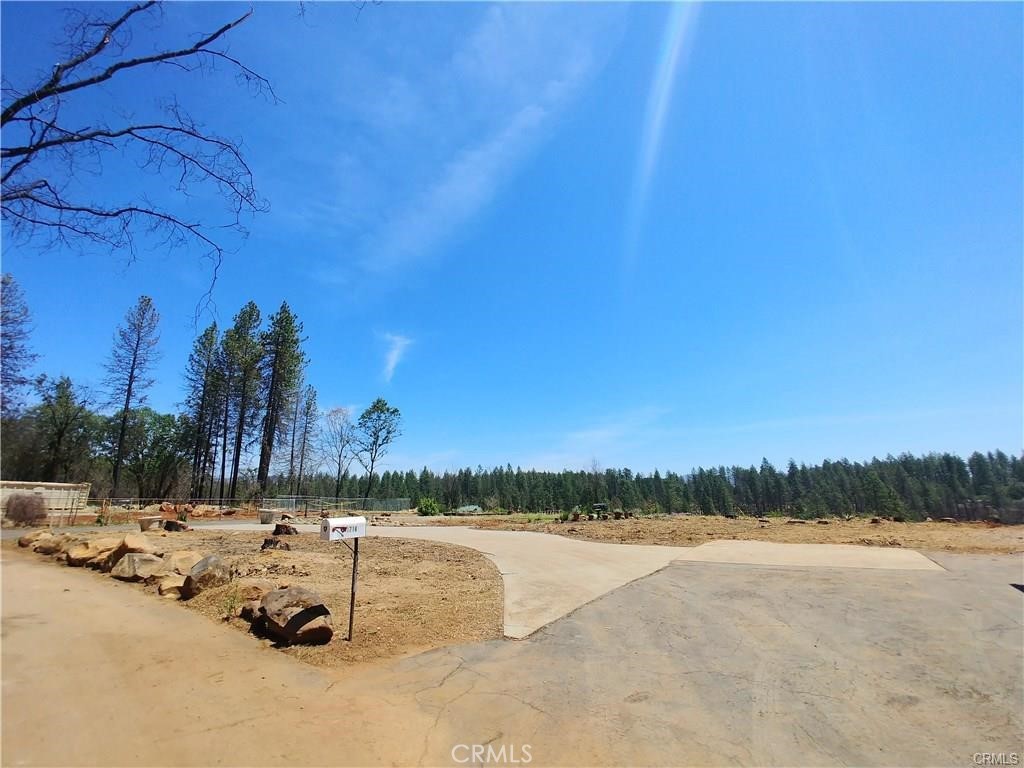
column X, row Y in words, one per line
column 58, row 497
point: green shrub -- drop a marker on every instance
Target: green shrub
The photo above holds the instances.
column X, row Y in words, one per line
column 429, row 507
column 230, row 603
column 26, row 509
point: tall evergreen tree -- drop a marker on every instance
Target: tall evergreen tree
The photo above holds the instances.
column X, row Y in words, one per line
column 283, row 361
column 310, row 418
column 295, row 407
column 201, row 400
column 129, row 370
column 242, row 357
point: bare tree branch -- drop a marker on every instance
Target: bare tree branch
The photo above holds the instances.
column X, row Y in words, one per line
column 42, row 157
column 54, row 87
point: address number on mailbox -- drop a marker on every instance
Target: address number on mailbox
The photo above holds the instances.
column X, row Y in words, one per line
column 340, row 528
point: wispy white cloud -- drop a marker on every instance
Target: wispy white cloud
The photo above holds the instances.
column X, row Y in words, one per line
column 396, row 350
column 432, row 135
column 465, row 185
column 674, row 53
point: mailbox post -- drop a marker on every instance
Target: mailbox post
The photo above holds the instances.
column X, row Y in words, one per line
column 341, row 529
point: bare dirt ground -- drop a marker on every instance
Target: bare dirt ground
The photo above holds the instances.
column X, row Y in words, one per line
column 691, row 530
column 411, row 596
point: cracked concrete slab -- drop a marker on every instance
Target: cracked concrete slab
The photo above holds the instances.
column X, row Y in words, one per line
column 809, row 555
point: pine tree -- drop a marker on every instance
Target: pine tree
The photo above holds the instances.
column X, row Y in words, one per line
column 243, row 354
column 378, row 427
column 283, row 361
column 129, row 370
column 294, row 407
column 201, row 380
column 310, row 416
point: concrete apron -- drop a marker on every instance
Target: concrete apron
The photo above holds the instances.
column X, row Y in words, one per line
column 809, row 555
column 546, row 576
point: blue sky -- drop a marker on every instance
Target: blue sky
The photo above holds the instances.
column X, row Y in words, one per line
column 644, row 235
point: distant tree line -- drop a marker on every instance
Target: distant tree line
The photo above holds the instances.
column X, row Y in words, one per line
column 250, row 427
column 913, row 487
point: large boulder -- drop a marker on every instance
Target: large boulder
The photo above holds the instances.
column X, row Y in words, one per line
column 69, row 542
column 256, row 589
column 131, row 543
column 92, row 553
column 209, row 572
column 137, row 566
column 50, row 545
column 251, row 593
column 297, row 615
column 31, row 538
column 171, row 586
column 181, row 561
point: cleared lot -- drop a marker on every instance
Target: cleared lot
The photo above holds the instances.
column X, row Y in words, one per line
column 692, row 530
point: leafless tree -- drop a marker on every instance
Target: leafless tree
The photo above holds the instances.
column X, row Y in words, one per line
column 15, row 355
column 336, row 443
column 128, row 370
column 45, row 150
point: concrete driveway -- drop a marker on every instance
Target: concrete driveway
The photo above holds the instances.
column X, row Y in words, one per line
column 547, row 577
column 716, row 664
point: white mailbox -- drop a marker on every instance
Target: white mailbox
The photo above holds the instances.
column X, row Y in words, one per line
column 338, row 528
